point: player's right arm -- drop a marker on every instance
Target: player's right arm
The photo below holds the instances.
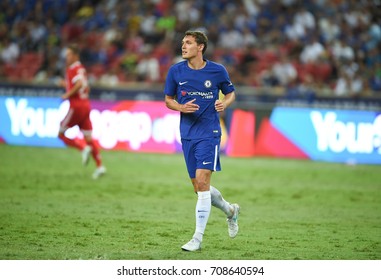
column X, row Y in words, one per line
column 170, row 90
column 189, row 107
column 73, row 90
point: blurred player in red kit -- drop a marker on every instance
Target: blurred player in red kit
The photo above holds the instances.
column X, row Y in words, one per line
column 77, row 92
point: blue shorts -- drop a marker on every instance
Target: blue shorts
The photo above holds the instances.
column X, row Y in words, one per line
column 201, row 154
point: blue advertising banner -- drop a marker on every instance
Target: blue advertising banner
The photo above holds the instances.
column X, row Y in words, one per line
column 332, row 135
column 348, row 136
column 146, row 126
column 31, row 121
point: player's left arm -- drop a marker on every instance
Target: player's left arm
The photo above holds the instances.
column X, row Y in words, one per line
column 78, row 84
column 221, row 105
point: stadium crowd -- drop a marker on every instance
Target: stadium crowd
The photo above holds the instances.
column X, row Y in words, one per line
column 293, row 45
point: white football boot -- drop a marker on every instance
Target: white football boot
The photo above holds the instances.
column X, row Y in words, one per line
column 100, row 171
column 86, row 155
column 233, row 221
column 193, row 245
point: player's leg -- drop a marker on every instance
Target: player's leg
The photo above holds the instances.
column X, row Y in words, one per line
column 91, row 147
column 219, row 202
column 66, row 123
column 212, row 161
column 202, row 211
column 201, row 184
column 206, row 162
column 231, row 210
column 204, row 203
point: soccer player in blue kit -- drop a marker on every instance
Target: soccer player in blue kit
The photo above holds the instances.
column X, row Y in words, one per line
column 192, row 87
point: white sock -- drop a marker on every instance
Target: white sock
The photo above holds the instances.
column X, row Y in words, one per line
column 219, row 202
column 203, row 208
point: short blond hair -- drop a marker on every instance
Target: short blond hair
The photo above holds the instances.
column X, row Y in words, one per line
column 74, row 48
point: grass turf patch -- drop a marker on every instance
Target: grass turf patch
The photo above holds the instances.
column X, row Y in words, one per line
column 143, row 208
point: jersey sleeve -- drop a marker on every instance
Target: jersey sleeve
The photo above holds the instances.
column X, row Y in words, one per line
column 68, row 78
column 226, row 85
column 170, row 83
column 78, row 75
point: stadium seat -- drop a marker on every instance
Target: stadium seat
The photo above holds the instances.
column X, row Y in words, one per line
column 268, row 56
column 25, row 68
column 322, row 72
column 31, row 58
column 97, row 70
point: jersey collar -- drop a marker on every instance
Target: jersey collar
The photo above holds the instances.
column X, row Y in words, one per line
column 74, row 64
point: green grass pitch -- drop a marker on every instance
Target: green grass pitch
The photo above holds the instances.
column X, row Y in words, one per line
column 143, row 209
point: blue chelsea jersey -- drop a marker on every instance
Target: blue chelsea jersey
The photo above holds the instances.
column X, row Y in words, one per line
column 203, row 85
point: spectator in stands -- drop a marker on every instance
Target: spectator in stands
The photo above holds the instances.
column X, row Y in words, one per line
column 284, row 71
column 313, row 51
column 349, row 67
column 295, row 30
column 248, row 60
column 251, row 7
column 307, row 89
column 285, row 24
column 110, row 78
column 249, row 38
column 342, row 50
column 230, row 38
column 373, row 56
column 374, row 33
column 186, row 11
column 375, row 78
column 148, row 27
column 356, row 15
column 127, row 63
column 133, row 41
column 48, row 76
column 349, row 86
column 148, row 69
column 9, row 51
column 166, row 24
column 329, row 29
column 38, row 34
column 112, row 32
column 305, row 18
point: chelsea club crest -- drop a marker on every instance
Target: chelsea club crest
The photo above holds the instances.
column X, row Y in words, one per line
column 208, row 84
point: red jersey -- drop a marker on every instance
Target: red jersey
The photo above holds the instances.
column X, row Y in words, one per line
column 74, row 73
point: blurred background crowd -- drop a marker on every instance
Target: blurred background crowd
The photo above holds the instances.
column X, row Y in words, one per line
column 299, row 46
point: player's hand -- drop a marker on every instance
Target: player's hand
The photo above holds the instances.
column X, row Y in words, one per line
column 219, row 105
column 61, row 83
column 65, row 96
column 189, row 107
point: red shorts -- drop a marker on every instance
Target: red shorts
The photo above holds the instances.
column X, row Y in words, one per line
column 77, row 115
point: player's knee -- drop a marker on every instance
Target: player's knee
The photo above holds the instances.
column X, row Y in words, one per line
column 202, row 185
column 61, row 132
column 88, row 139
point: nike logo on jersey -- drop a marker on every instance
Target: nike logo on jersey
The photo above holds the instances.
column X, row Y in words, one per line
column 206, row 162
column 182, row 83
column 230, row 84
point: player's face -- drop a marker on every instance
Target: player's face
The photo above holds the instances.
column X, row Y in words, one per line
column 189, row 47
column 70, row 57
